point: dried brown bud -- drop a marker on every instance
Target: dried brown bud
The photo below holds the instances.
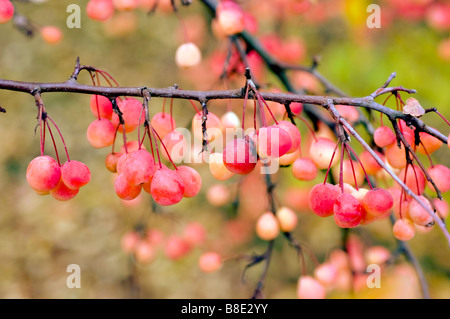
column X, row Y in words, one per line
column 413, row 108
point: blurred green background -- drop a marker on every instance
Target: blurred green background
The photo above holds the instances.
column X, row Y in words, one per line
column 40, row 237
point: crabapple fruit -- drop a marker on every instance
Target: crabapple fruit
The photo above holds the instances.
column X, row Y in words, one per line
column 62, row 192
column 191, row 179
column 273, row 141
column 321, row 151
column 310, row 288
column 100, row 133
column 239, row 156
column 304, row 169
column 138, row 167
column 167, row 187
column 125, row 190
column 6, row 11
column 377, row 202
column 51, row 34
column 210, row 262
column 267, row 227
column 217, row 167
column 403, row 229
column 187, row 55
column 43, row 173
column 322, row 198
column 75, row 174
column 100, row 10
column 418, row 214
column 348, row 211
column 105, row 108
column 287, row 219
column 384, row 136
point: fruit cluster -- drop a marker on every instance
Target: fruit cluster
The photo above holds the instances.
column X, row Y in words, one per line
column 146, row 245
column 343, row 271
column 135, row 167
column 46, row 176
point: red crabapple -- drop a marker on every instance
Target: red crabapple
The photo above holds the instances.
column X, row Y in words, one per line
column 267, row 227
column 326, row 274
column 310, row 288
column 287, row 219
column 62, row 192
column 75, row 174
column 218, row 195
column 131, row 146
column 125, row 190
column 188, row 55
column 100, row 133
column 230, row 120
column 239, row 156
column 230, row 17
column 130, row 241
column 377, row 255
column 105, row 108
column 442, row 207
column 213, row 126
column 395, row 155
column 126, row 5
column 176, row 146
column 403, row 229
column 100, row 10
column 43, row 173
column 163, row 123
column 217, row 167
column 294, row 134
column 210, row 262
column 377, row 201
column 296, row 107
column 132, row 114
column 321, row 151
column 194, row 233
column 429, row 144
column 273, row 141
column 322, row 198
column 418, row 214
column 111, row 161
column 138, row 167
column 51, row 34
column 384, row 136
column 6, row 11
column 191, row 179
column 144, row 252
column 304, row 169
column 369, row 163
column 176, row 247
column 348, row 211
column 167, row 187
column 440, row 175
column 289, row 158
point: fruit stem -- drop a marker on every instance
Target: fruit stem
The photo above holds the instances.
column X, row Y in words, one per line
column 165, row 149
column 331, row 161
column 54, row 144
column 156, row 145
column 362, row 167
column 60, row 135
column 308, row 126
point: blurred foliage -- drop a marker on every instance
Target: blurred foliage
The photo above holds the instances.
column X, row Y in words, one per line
column 40, row 237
